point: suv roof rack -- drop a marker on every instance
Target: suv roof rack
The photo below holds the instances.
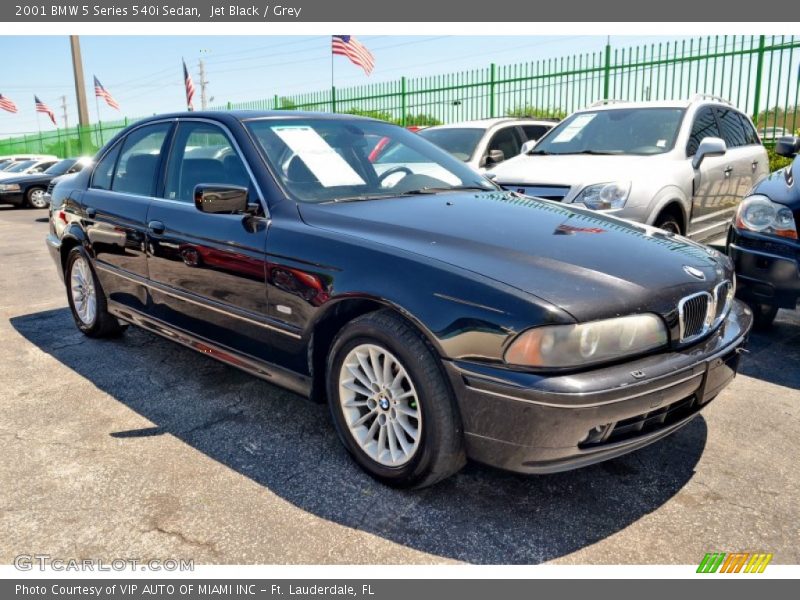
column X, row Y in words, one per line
column 698, row 97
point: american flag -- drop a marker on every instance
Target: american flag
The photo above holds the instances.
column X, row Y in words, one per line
column 187, row 80
column 349, row 46
column 7, row 104
column 102, row 92
column 43, row 108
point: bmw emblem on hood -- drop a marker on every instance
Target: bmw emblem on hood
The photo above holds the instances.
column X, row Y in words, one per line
column 696, row 273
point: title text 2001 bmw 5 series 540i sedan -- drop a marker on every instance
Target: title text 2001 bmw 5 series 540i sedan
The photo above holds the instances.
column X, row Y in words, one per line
column 441, row 317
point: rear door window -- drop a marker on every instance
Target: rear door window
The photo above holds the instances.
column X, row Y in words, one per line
column 139, row 160
column 507, row 140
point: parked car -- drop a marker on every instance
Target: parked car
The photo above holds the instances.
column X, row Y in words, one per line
column 26, row 167
column 30, row 190
column 771, row 134
column 441, row 317
column 485, row 143
column 763, row 243
column 682, row 166
column 12, row 158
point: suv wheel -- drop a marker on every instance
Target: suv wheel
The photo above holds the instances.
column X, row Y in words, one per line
column 391, row 405
column 34, row 198
column 87, row 301
column 669, row 223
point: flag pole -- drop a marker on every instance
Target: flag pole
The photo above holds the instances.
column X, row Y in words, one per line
column 39, row 127
column 333, row 92
column 99, row 123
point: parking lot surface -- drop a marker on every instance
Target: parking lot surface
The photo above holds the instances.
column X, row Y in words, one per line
column 139, row 448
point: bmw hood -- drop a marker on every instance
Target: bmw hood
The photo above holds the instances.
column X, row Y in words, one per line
column 588, row 264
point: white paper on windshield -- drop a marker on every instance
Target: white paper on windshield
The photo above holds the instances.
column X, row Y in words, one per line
column 323, row 161
column 574, row 128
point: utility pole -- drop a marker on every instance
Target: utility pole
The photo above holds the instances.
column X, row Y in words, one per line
column 68, row 151
column 80, row 87
column 203, row 84
column 84, row 142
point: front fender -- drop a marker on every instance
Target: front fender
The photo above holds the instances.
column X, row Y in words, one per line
column 667, row 195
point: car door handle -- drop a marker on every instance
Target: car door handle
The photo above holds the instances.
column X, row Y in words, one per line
column 156, row 227
column 91, row 212
column 755, row 165
column 728, row 171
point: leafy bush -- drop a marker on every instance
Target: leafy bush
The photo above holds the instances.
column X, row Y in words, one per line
column 778, row 162
column 419, row 120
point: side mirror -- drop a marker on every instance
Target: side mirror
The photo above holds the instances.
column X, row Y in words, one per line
column 494, row 157
column 788, row 146
column 710, row 146
column 527, row 146
column 220, row 199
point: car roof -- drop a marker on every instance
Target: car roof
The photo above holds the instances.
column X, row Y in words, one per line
column 249, row 115
column 684, row 104
column 493, row 122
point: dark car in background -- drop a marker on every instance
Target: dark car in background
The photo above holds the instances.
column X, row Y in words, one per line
column 439, row 316
column 30, row 190
column 763, row 239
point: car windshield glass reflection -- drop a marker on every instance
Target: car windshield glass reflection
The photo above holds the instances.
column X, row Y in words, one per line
column 641, row 131
column 458, row 141
column 331, row 160
column 60, row 167
column 19, row 167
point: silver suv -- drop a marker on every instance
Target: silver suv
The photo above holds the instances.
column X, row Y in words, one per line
column 683, row 166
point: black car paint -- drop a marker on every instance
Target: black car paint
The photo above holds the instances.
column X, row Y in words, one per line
column 767, row 266
column 469, row 270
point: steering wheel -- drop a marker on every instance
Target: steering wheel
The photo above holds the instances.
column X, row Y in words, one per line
column 393, row 170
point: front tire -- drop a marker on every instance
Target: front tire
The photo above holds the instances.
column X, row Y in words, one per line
column 34, row 198
column 87, row 301
column 391, row 404
column 668, row 223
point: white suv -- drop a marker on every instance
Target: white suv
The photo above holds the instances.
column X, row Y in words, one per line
column 683, row 166
column 486, row 143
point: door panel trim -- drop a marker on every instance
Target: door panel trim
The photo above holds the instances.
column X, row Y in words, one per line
column 226, row 310
column 295, row 382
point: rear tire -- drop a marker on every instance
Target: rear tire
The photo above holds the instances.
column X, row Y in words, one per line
column 87, row 301
column 763, row 314
column 391, row 403
column 34, row 198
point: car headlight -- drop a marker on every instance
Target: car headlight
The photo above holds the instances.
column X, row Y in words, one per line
column 605, row 196
column 9, row 187
column 762, row 215
column 588, row 343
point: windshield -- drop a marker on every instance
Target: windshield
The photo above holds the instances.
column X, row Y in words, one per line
column 21, row 166
column 324, row 160
column 616, row 131
column 60, row 167
column 458, row 141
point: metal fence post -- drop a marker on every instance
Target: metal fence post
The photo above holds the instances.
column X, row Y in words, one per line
column 607, row 72
column 492, row 72
column 403, row 102
column 759, row 72
column 333, row 98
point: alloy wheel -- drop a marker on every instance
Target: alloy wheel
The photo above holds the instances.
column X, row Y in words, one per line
column 380, row 405
column 37, row 199
column 84, row 295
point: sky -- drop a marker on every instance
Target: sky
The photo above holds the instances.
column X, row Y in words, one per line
column 144, row 73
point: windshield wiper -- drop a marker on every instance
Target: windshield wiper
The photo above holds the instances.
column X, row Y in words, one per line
column 455, row 188
column 361, row 198
column 594, row 152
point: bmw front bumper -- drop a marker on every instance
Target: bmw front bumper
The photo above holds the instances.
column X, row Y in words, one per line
column 531, row 423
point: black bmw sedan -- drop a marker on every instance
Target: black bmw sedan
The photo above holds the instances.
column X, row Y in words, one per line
column 440, row 317
column 763, row 240
column 30, row 190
